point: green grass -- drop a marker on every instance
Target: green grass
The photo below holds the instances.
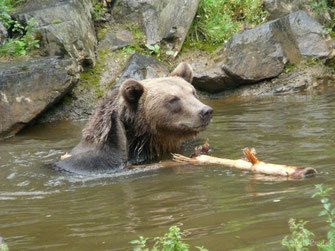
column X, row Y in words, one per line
column 217, row 21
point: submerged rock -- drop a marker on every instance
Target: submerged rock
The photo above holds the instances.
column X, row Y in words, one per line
column 262, row 53
column 66, row 27
column 160, row 20
column 141, row 67
column 28, row 88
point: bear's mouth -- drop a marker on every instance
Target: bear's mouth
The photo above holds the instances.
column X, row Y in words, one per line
column 183, row 129
column 192, row 128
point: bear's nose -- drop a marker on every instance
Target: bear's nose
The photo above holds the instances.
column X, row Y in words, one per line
column 206, row 113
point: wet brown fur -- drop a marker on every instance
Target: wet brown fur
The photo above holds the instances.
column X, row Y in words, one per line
column 140, row 121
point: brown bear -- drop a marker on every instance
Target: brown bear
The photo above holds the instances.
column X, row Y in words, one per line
column 140, row 122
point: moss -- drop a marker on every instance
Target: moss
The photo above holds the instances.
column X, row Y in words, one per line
column 57, row 21
column 90, row 78
column 201, row 45
column 101, row 33
column 290, row 67
column 312, row 61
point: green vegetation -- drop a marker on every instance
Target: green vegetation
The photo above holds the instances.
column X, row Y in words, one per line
column 290, row 67
column 325, row 8
column 99, row 10
column 171, row 241
column 3, row 247
column 57, row 21
column 23, row 38
column 139, row 45
column 301, row 238
column 90, row 78
column 217, row 21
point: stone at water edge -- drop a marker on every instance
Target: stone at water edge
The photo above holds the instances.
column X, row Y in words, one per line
column 262, row 53
column 209, row 76
column 28, row 88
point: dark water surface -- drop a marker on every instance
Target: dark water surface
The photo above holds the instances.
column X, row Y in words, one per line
column 219, row 208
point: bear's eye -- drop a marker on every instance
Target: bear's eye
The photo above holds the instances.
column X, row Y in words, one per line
column 174, row 104
column 174, row 100
column 194, row 93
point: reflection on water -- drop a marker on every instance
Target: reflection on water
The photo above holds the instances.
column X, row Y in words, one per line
column 219, row 208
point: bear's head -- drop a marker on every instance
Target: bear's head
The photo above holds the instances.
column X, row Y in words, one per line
column 146, row 119
column 161, row 113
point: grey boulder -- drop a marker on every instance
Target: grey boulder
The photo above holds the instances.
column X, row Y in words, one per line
column 117, row 40
column 3, row 34
column 167, row 20
column 141, row 67
column 262, row 53
column 28, row 88
column 66, row 27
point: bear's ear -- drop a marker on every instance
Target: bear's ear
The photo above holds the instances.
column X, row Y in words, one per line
column 184, row 71
column 132, row 90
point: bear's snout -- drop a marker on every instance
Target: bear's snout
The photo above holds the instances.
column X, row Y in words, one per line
column 206, row 113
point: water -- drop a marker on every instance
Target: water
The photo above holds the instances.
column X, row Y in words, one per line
column 218, row 208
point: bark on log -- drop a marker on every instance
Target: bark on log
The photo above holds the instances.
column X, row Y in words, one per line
column 251, row 164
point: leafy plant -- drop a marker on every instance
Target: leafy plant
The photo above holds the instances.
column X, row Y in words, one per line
column 25, row 41
column 301, row 238
column 154, row 49
column 169, row 53
column 99, row 10
column 171, row 241
column 23, row 37
column 330, row 213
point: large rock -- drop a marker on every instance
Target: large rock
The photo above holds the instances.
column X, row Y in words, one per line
column 116, row 40
column 305, row 77
column 262, row 53
column 27, row 88
column 208, row 75
column 141, row 67
column 3, row 34
column 66, row 27
column 280, row 8
column 110, row 72
column 167, row 20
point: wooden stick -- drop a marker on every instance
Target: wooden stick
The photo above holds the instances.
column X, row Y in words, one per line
column 251, row 164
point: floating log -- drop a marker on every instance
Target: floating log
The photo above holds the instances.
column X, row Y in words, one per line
column 250, row 163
